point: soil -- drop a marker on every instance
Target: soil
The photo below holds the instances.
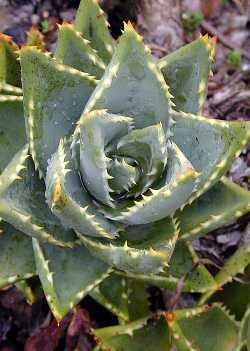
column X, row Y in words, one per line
column 162, row 24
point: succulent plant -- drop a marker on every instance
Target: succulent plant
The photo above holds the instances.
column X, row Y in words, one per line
column 110, row 175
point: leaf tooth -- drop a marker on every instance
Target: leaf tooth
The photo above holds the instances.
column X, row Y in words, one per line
column 125, row 246
column 24, row 218
column 37, row 227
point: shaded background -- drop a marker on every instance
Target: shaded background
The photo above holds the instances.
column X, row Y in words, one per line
column 166, row 25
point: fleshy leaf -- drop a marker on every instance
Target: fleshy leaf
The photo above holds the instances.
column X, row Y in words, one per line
column 69, row 200
column 203, row 329
column 12, row 128
column 222, row 204
column 234, row 265
column 124, row 175
column 9, row 66
column 25, row 288
column 183, row 265
column 138, row 304
column 91, row 22
column 23, row 204
column 16, row 259
column 142, row 249
column 54, row 98
column 152, row 334
column 35, row 38
column 235, row 294
column 133, row 85
column 97, row 130
column 174, row 188
column 186, row 71
column 125, row 298
column 210, row 145
column 244, row 334
column 112, row 293
column 67, row 275
column 73, row 50
column 149, row 148
column 8, row 89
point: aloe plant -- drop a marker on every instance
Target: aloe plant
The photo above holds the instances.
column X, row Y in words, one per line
column 108, row 172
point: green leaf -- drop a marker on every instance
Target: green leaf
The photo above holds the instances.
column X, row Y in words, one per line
column 135, row 336
column 64, row 276
column 54, row 98
column 244, row 334
column 164, row 198
column 8, row 89
column 35, row 38
column 182, row 265
column 12, row 128
column 133, row 85
column 234, row 265
column 126, row 298
column 210, row 145
column 138, row 304
column 124, row 175
column 148, row 148
column 142, row 249
column 9, row 66
column 26, row 290
column 16, row 258
column 73, row 50
column 112, row 293
column 23, row 204
column 91, row 22
column 96, row 131
column 222, row 204
column 235, row 294
column 186, row 72
column 203, row 329
column 70, row 201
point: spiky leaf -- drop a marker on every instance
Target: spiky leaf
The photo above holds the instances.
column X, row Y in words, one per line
column 16, row 259
column 54, row 98
column 141, row 252
column 132, row 337
column 145, row 95
column 186, row 71
column 64, row 276
column 223, row 203
column 23, row 204
column 210, row 145
column 203, row 329
column 112, row 293
column 75, row 51
column 91, row 22
column 9, row 66
column 12, row 128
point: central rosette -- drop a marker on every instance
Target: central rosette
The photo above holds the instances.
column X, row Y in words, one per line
column 116, row 162
column 118, row 178
column 111, row 181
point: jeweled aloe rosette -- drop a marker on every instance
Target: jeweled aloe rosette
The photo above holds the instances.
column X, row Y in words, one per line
column 120, row 169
